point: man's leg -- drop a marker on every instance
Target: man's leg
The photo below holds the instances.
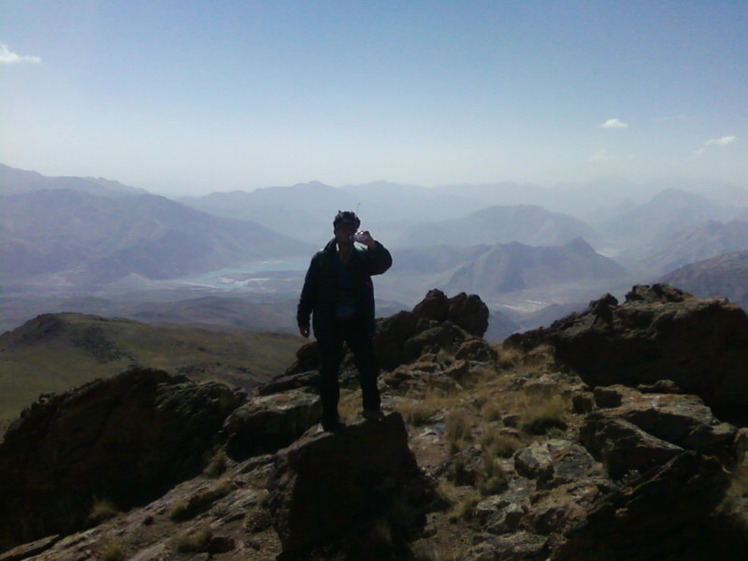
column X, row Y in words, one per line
column 330, row 355
column 365, row 360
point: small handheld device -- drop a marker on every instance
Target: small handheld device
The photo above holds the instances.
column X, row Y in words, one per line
column 358, row 237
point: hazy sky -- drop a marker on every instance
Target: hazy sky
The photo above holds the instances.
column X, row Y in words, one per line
column 199, row 96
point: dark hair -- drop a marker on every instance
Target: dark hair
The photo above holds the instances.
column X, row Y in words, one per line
column 346, row 217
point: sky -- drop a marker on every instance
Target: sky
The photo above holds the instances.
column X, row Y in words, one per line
column 191, row 97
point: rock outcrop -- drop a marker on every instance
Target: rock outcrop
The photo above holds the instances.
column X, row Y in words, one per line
column 658, row 333
column 126, row 439
column 437, row 323
column 539, row 453
column 358, row 492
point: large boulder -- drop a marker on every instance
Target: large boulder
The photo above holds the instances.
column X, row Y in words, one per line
column 436, row 323
column 357, row 491
column 125, row 439
column 267, row 423
column 658, row 333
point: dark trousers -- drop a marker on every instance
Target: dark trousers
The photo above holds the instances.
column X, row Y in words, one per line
column 330, row 347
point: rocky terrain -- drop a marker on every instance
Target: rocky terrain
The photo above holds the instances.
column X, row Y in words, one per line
column 616, row 433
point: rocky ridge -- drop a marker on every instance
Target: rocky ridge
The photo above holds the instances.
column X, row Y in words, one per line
column 529, row 450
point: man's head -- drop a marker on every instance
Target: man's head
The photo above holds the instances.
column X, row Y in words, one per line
column 346, row 217
column 345, row 224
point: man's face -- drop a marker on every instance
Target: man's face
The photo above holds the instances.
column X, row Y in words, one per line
column 344, row 232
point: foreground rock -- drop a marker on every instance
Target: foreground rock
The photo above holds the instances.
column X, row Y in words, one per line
column 126, row 439
column 658, row 333
column 435, row 324
column 357, row 492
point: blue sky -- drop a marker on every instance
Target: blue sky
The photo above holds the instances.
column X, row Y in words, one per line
column 199, row 96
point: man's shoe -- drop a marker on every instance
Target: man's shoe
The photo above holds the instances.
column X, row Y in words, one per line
column 334, row 426
column 372, row 414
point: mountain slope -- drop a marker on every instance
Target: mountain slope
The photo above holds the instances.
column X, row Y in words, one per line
column 16, row 181
column 652, row 224
column 527, row 224
column 698, row 243
column 514, row 266
column 53, row 352
column 102, row 239
column 724, row 275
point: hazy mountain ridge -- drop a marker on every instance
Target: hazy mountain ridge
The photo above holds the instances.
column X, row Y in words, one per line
column 515, row 266
column 699, row 242
column 102, row 239
column 725, row 276
column 527, row 224
column 76, row 241
column 656, row 221
column 16, row 181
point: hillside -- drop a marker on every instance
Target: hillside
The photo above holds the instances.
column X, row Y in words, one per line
column 652, row 224
column 698, row 243
column 96, row 239
column 16, row 181
column 527, row 224
column 54, row 352
column 541, row 448
column 515, row 266
column 723, row 276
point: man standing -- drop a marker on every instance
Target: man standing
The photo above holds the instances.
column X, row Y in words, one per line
column 339, row 295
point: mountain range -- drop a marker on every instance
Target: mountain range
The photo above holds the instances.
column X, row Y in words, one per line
column 98, row 240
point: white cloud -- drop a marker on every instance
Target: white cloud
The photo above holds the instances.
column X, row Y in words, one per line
column 724, row 141
column 614, row 124
column 9, row 57
column 601, row 155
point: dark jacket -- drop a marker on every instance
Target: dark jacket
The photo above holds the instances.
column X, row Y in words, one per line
column 320, row 292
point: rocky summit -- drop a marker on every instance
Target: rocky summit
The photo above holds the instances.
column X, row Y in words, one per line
column 614, row 434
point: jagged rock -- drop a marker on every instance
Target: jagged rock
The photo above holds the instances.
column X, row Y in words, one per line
column 666, row 515
column 623, row 447
column 636, row 431
column 555, row 462
column 659, row 333
column 436, row 323
column 267, row 423
column 477, row 350
column 341, row 489
column 125, row 439
column 520, row 546
column 683, row 420
column 469, row 312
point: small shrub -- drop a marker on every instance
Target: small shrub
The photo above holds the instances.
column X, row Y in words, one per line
column 199, row 503
column 540, row 416
column 217, row 465
column 417, row 412
column 194, row 541
column 464, row 509
column 110, row 549
column 498, row 444
column 458, row 427
column 101, row 510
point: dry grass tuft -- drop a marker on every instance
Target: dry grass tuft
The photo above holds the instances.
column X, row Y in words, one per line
column 195, row 540
column 217, row 465
column 541, row 415
column 458, row 428
column 101, row 510
column 201, row 502
column 110, row 549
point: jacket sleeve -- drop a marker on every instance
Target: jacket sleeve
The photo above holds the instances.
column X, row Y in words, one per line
column 379, row 259
column 308, row 295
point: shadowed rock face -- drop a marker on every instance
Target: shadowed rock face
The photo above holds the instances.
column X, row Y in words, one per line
column 658, row 333
column 436, row 323
column 331, row 488
column 126, row 439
